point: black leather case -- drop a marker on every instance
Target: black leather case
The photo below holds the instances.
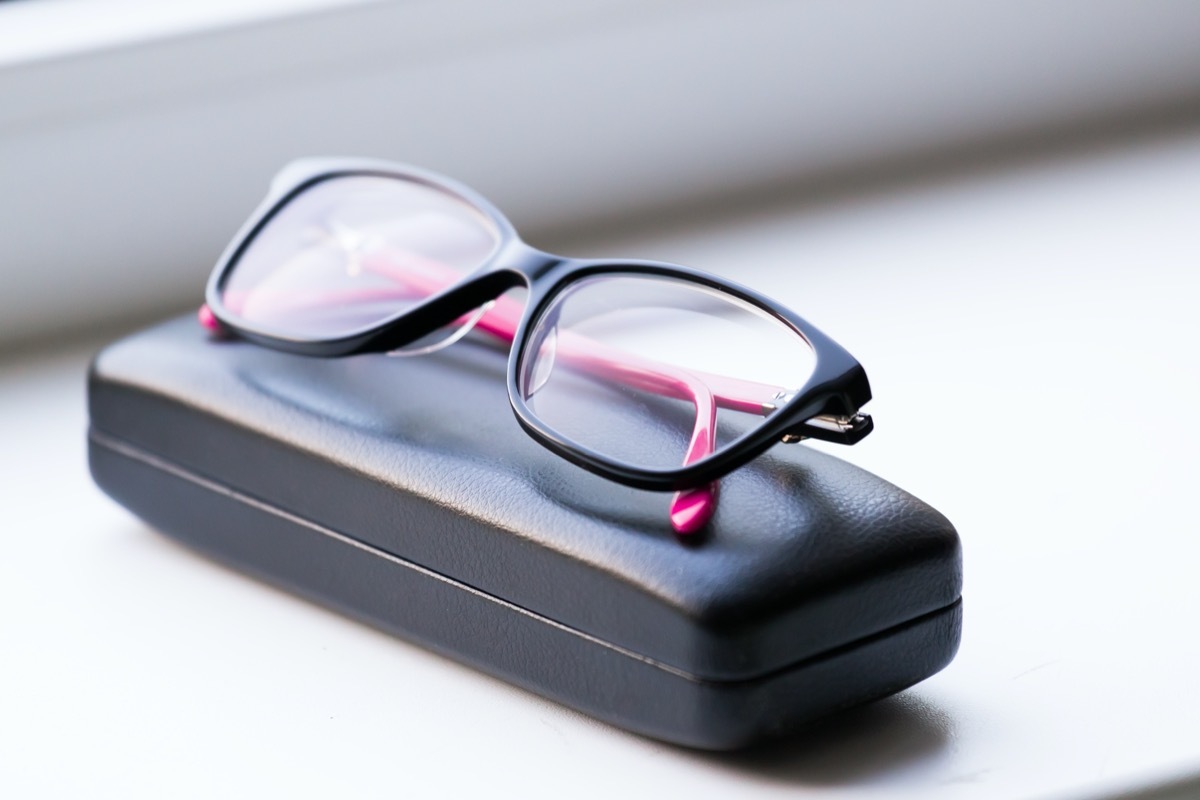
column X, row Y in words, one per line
column 402, row 492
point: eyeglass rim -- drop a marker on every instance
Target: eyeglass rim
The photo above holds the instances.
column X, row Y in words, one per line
column 295, row 179
column 837, row 384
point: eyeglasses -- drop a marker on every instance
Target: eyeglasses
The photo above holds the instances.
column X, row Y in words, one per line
column 650, row 374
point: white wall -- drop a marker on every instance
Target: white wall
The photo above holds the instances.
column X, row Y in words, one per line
column 125, row 168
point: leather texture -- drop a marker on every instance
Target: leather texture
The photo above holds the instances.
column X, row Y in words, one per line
column 422, row 459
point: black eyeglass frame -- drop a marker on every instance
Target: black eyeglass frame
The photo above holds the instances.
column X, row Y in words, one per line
column 837, row 387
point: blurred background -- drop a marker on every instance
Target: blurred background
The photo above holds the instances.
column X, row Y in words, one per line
column 136, row 135
column 991, row 203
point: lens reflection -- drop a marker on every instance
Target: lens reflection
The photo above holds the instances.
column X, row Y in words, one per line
column 657, row 372
column 349, row 252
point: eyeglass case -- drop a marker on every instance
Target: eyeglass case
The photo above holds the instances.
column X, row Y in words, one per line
column 402, row 492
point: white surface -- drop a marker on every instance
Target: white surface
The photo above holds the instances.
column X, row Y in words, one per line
column 1031, row 337
column 125, row 167
column 50, row 29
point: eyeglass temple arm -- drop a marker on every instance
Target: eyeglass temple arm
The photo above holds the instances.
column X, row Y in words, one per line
column 690, row 509
column 734, row 394
column 501, row 321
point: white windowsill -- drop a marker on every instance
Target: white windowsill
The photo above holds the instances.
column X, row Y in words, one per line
column 1017, row 325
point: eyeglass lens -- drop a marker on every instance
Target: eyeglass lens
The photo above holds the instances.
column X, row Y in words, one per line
column 656, row 372
column 351, row 251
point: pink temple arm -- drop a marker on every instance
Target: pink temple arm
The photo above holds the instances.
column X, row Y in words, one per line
column 690, row 509
column 502, row 319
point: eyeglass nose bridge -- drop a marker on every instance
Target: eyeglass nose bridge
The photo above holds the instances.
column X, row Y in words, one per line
column 513, row 265
column 525, row 263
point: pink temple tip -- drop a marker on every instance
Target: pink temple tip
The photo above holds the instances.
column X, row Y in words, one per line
column 208, row 319
column 691, row 510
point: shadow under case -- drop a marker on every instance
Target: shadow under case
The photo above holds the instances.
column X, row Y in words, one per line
column 404, row 493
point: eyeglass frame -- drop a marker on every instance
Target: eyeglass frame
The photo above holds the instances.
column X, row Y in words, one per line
column 825, row 407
